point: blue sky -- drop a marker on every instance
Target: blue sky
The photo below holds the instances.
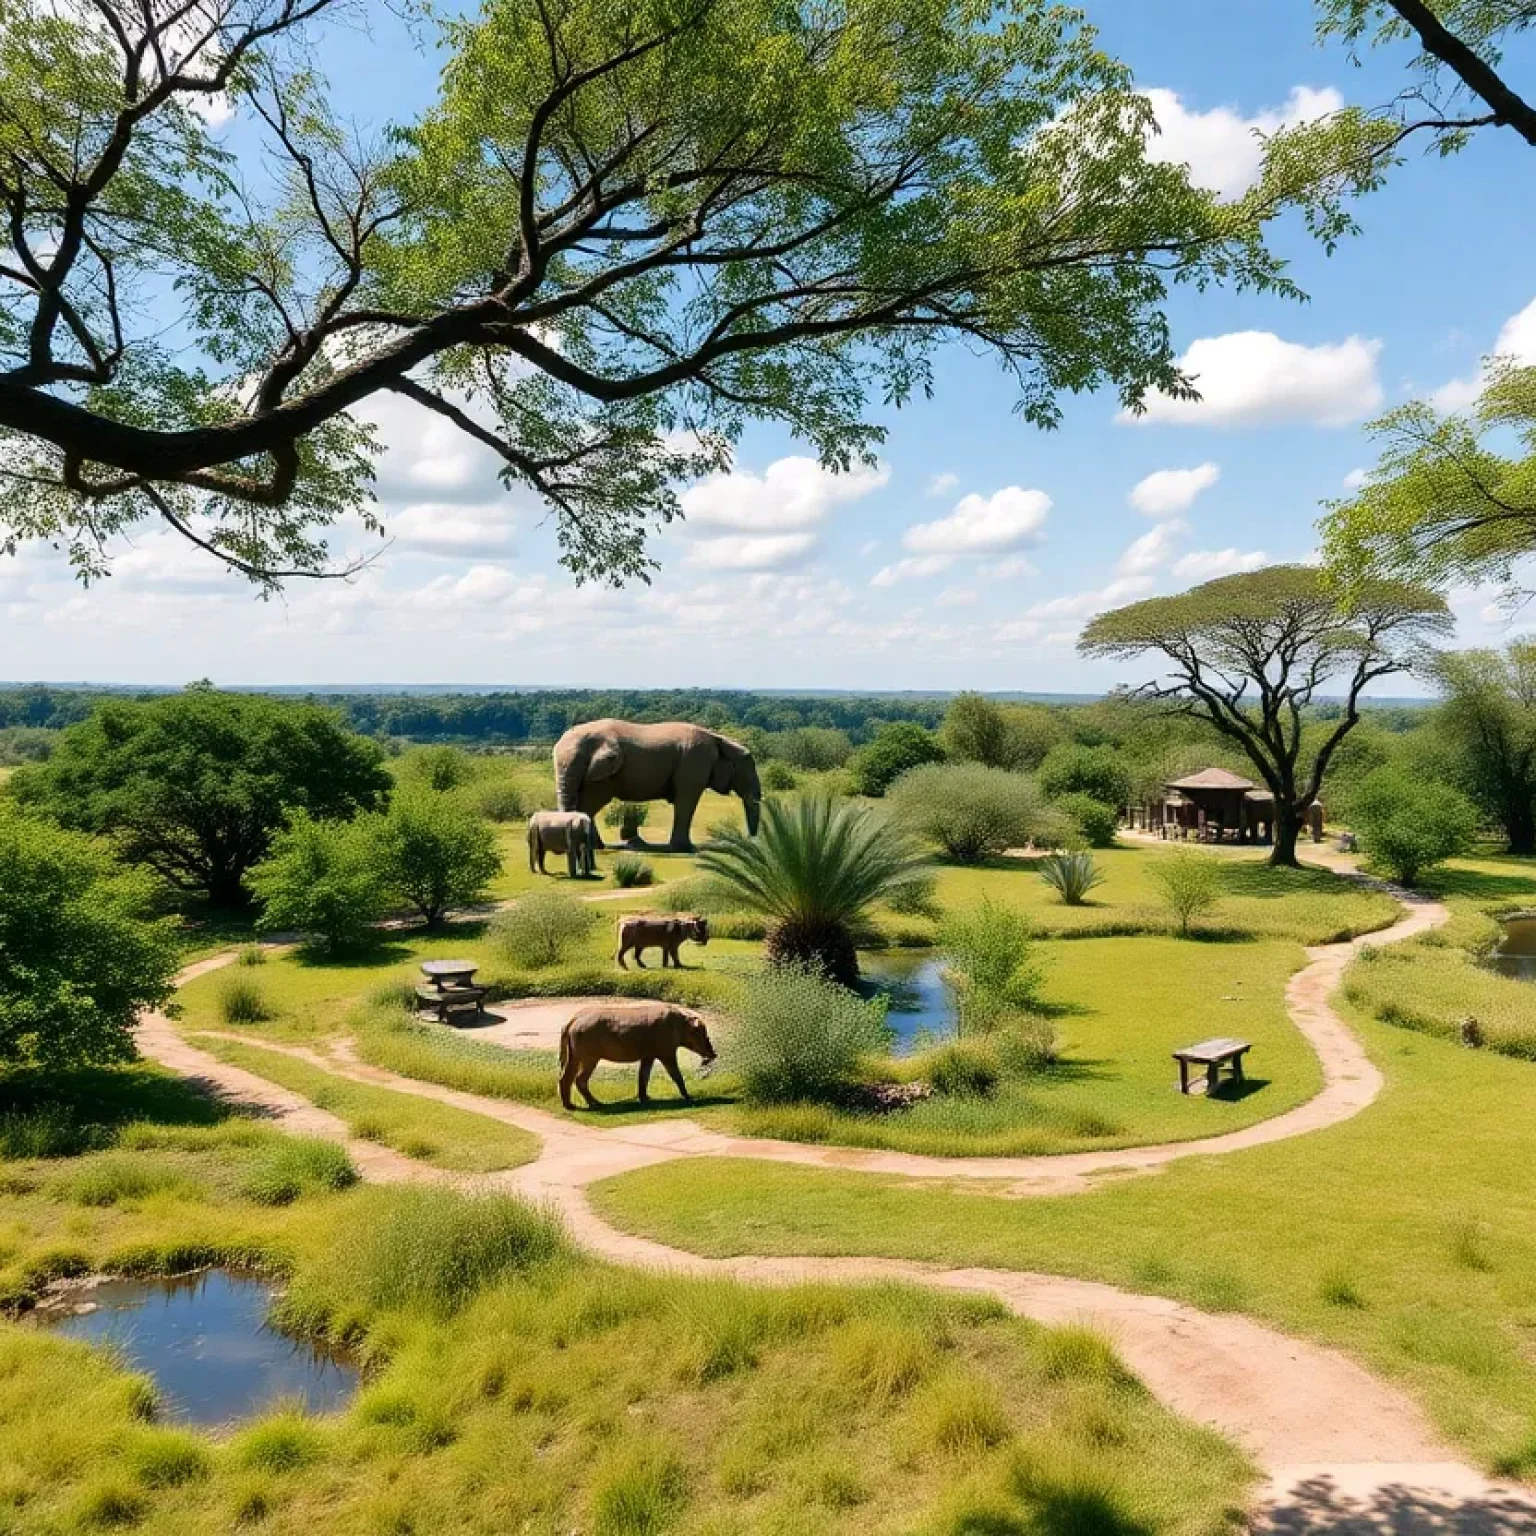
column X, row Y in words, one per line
column 975, row 552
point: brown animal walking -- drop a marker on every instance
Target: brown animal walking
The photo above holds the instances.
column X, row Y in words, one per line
column 645, row 1032
column 639, row 933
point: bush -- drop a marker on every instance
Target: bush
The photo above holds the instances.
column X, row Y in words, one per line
column 973, row 812
column 1096, row 821
column 815, row 748
column 1408, row 823
column 896, row 747
column 434, row 851
column 439, row 768
column 79, row 954
column 322, row 879
column 1071, row 876
column 1190, row 883
column 627, row 817
column 542, row 929
column 966, row 1069
column 252, row 954
column 1098, row 772
column 296, row 1166
column 242, row 1000
column 987, row 950
column 777, row 777
column 498, row 800
column 799, row 1037
column 629, row 870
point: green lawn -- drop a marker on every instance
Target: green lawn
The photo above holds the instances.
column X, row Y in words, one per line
column 1407, row 1235
column 514, row 1386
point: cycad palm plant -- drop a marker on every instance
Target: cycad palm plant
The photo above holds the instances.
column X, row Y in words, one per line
column 816, row 866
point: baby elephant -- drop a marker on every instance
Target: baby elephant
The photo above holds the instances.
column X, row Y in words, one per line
column 569, row 832
column 663, row 933
column 645, row 1032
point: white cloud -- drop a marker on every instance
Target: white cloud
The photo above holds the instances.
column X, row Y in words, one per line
column 1223, row 149
column 983, row 525
column 1081, row 605
column 1516, row 339
column 913, row 566
column 1010, row 569
column 1254, row 378
column 452, row 530
column 956, row 597
column 1206, row 564
column 942, row 484
column 1355, row 479
column 792, row 493
column 1152, row 550
column 1167, row 491
column 751, row 552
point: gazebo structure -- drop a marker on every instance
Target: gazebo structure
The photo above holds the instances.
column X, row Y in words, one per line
column 1214, row 805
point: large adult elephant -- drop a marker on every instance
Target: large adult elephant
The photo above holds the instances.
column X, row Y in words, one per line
column 608, row 760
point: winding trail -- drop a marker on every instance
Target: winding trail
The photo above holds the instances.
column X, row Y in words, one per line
column 1342, row 1451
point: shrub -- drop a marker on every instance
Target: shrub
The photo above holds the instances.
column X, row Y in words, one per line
column 627, row 817
column 439, row 768
column 896, row 747
column 1408, row 823
column 987, row 948
column 242, row 1000
column 322, row 879
column 815, row 748
column 973, row 812
column 966, row 1069
column 1095, row 821
column 79, row 954
column 815, row 869
column 1071, row 876
column 252, row 954
column 1098, row 772
column 106, row 1180
column 498, row 800
column 542, row 928
column 283, row 1443
column 418, row 1250
column 296, row 1166
column 799, row 1037
column 777, row 776
column 434, row 851
column 1190, row 883
column 629, row 870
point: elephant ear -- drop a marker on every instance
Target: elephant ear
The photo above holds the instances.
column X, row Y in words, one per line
column 606, row 760
column 722, row 778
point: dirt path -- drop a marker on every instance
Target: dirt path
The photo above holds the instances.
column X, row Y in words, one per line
column 1343, row 1452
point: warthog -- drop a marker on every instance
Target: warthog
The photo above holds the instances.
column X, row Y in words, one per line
column 663, row 933
column 643, row 1032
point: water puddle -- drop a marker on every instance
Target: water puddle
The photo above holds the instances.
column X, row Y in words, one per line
column 206, row 1340
column 922, row 1008
column 1516, row 954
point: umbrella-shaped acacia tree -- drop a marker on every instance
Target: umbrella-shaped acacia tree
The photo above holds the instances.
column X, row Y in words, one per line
column 1251, row 654
column 623, row 230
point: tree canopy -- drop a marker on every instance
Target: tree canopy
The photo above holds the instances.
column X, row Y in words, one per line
column 624, row 230
column 1445, row 503
column 1251, row 653
column 196, row 784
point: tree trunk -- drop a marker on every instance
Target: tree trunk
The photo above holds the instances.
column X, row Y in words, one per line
column 825, row 947
column 1520, row 825
column 1287, row 828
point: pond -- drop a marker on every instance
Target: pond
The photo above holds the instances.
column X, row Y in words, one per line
column 1516, row 954
column 207, row 1341
column 921, row 1004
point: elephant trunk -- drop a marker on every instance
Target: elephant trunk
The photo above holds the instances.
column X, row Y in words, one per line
column 569, row 772
column 754, row 811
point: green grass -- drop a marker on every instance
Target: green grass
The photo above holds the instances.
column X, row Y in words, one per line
column 513, row 1385
column 1407, row 1235
column 435, row 1133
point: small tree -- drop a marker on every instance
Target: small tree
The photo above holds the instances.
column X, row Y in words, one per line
column 1095, row 821
column 1249, row 654
column 322, row 878
column 79, row 955
column 1408, row 823
column 990, row 968
column 896, row 747
column 435, row 852
column 1190, row 883
column 1098, row 772
column 972, row 812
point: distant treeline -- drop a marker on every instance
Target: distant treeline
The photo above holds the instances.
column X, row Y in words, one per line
column 535, row 718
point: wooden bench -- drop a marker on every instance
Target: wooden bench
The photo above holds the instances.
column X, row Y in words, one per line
column 1213, row 1055
column 446, row 1000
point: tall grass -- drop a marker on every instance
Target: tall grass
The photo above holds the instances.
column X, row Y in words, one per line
column 630, row 870
column 544, row 928
column 297, row 1166
column 242, row 1000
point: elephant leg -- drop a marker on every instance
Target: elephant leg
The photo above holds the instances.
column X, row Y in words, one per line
column 572, row 861
column 669, row 1061
column 646, row 1064
column 683, row 807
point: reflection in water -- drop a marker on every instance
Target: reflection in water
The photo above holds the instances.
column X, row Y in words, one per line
column 1516, row 955
column 206, row 1341
column 921, row 1004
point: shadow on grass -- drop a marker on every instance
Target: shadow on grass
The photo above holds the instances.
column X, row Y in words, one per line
column 1478, row 885
column 1268, row 882
column 390, row 947
column 627, row 1109
column 1231, row 1092
column 63, row 1113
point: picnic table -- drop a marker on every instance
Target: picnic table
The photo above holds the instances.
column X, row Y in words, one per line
column 1213, row 1055
column 450, row 988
